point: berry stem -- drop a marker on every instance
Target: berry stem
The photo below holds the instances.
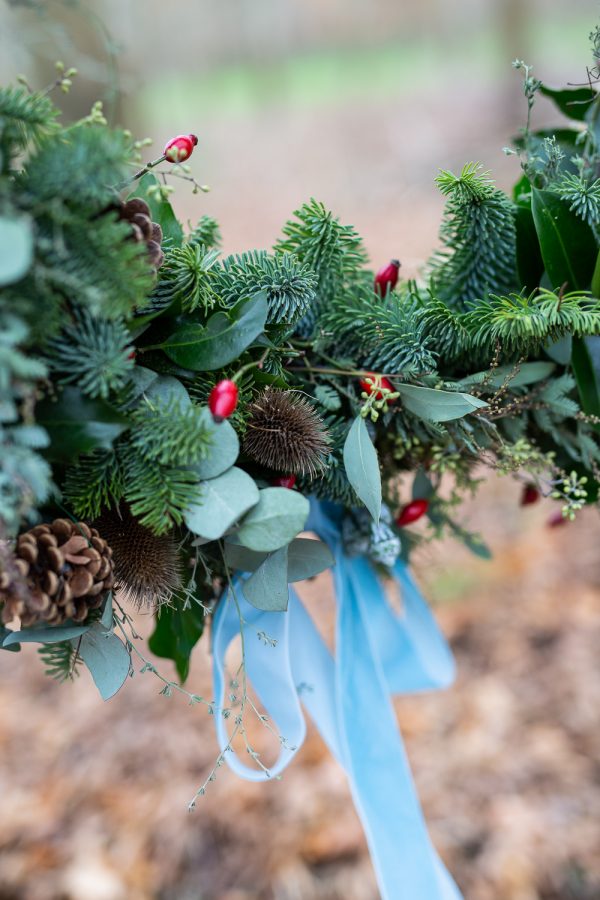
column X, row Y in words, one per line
column 143, row 171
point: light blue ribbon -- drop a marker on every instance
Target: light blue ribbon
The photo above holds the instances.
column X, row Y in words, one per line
column 378, row 653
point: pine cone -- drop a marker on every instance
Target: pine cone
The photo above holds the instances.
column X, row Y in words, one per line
column 137, row 212
column 66, row 568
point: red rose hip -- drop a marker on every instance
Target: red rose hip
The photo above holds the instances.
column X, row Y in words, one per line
column 412, row 512
column 223, row 399
column 180, row 148
column 387, row 277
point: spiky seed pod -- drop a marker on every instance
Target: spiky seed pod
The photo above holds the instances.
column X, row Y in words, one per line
column 147, row 566
column 66, row 568
column 285, row 433
column 137, row 212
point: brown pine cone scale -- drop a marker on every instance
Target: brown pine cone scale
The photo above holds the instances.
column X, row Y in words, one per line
column 61, row 571
column 137, row 212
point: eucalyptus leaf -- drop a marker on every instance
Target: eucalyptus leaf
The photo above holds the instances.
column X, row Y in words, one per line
column 106, row 619
column 267, row 587
column 277, row 518
column 560, row 350
column 422, row 488
column 526, row 373
column 77, row 424
column 362, row 467
column 223, row 451
column 50, row 634
column 4, row 633
column 242, row 559
column 438, row 406
column 224, row 500
column 223, row 339
column 106, row 657
column 140, row 380
column 306, row 558
column 166, row 389
column 16, row 248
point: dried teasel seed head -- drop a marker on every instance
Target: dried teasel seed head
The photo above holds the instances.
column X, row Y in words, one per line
column 147, row 566
column 285, row 433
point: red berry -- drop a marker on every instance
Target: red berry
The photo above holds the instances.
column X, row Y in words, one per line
column 412, row 512
column 387, row 277
column 180, row 148
column 556, row 520
column 286, row 481
column 223, row 399
column 530, row 495
column 374, row 385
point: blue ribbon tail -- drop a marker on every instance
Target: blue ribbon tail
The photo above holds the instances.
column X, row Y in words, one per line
column 378, row 653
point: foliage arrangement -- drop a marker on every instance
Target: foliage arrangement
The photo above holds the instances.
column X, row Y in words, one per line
column 165, row 413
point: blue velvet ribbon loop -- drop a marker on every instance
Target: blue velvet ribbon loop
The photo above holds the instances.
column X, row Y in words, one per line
column 378, row 653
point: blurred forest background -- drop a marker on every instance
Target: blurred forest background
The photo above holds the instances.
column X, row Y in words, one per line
column 358, row 103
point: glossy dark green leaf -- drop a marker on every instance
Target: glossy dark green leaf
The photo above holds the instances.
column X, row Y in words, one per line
column 161, row 211
column 530, row 265
column 572, row 102
column 77, row 424
column 176, row 633
column 362, row 467
column 587, row 378
column 567, row 243
column 267, row 587
column 206, row 348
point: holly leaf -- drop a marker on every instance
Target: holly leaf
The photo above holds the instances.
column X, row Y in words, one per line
column 16, row 248
column 106, row 657
column 177, row 631
column 362, row 467
column 77, row 424
column 224, row 501
column 161, row 211
column 267, row 587
column 438, row 406
column 277, row 518
column 224, row 338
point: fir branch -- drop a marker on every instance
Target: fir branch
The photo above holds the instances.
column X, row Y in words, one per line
column 24, row 117
column 62, row 660
column 479, row 235
column 206, row 233
column 522, row 324
column 170, row 434
column 93, row 353
column 334, row 252
column 289, row 284
column 93, row 483
column 187, row 277
column 386, row 335
column 158, row 494
column 582, row 195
